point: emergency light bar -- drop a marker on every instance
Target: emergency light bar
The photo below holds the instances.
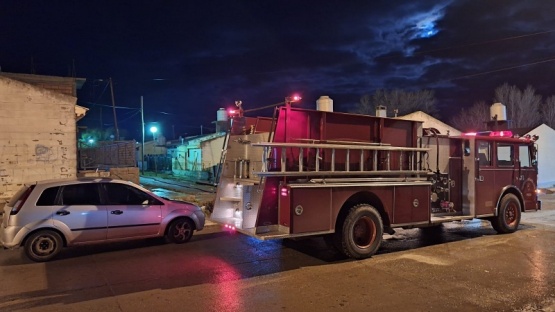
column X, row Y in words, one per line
column 504, row 134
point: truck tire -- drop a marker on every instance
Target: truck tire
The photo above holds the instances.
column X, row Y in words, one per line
column 43, row 245
column 508, row 215
column 362, row 232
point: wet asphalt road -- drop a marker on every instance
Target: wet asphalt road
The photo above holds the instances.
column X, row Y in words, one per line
column 461, row 267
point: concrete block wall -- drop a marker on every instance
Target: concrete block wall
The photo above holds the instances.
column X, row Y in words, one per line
column 125, row 173
column 37, row 135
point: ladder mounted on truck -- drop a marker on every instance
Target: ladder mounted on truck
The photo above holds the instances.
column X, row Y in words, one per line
column 380, row 164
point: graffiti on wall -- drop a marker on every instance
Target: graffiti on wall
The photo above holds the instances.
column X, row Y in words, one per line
column 43, row 153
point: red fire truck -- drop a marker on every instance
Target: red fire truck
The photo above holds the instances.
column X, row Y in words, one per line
column 351, row 178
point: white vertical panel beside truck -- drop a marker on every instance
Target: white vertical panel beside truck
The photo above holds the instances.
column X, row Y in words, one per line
column 350, row 178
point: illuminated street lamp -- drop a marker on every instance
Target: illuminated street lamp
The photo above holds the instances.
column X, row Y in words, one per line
column 153, row 129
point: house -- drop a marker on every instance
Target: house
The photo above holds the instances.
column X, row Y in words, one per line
column 38, row 129
column 431, row 122
column 546, row 150
column 199, row 156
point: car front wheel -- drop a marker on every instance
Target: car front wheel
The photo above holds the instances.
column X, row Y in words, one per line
column 180, row 231
column 43, row 245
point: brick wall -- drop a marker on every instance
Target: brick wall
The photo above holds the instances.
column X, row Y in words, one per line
column 37, row 135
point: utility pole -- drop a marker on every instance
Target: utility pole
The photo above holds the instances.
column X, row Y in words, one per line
column 143, row 144
column 114, row 109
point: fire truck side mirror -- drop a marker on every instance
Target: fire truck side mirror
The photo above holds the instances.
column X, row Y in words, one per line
column 466, row 148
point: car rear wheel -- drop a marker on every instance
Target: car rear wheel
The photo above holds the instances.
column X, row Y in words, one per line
column 180, row 231
column 43, row 245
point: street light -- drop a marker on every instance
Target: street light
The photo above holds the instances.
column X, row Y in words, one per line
column 153, row 129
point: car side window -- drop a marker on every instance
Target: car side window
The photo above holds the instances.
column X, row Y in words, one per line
column 80, row 194
column 122, row 194
column 48, row 197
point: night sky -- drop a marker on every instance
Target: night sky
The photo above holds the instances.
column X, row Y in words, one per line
column 189, row 58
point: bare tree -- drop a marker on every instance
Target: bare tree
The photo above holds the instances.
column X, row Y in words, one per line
column 398, row 102
column 472, row 119
column 523, row 107
column 548, row 111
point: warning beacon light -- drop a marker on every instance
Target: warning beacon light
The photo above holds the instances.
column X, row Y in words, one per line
column 292, row 99
column 506, row 134
column 236, row 112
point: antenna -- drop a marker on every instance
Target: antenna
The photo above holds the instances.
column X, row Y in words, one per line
column 33, row 66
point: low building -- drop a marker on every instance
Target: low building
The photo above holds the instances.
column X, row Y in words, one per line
column 431, row 122
column 198, row 157
column 546, row 150
column 38, row 129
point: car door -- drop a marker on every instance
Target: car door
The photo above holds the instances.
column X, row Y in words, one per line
column 78, row 207
column 131, row 212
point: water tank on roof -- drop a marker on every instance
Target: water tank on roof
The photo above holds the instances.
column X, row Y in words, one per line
column 324, row 103
column 498, row 111
column 221, row 115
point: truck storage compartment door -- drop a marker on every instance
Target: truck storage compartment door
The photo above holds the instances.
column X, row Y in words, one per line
column 310, row 210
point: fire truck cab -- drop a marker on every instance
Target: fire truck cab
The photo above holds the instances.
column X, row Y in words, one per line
column 351, row 178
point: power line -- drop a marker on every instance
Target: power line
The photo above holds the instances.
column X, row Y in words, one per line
column 501, row 69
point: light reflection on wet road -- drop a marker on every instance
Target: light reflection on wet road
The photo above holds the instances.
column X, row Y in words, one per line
column 460, row 266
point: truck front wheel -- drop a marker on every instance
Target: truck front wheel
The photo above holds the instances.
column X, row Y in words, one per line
column 362, row 232
column 508, row 215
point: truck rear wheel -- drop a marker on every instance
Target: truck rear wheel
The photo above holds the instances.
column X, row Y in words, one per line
column 362, row 232
column 508, row 215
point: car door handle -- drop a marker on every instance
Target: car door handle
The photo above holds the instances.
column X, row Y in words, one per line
column 62, row 212
column 116, row 212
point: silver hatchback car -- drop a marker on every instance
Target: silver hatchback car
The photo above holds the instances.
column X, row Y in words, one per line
column 45, row 216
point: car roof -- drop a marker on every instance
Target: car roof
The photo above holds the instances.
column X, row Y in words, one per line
column 75, row 180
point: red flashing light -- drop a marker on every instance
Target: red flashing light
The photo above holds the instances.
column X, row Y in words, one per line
column 292, row 99
column 471, row 134
column 284, row 191
column 229, row 227
column 506, row 134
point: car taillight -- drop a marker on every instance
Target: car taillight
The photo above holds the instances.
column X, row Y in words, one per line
column 19, row 203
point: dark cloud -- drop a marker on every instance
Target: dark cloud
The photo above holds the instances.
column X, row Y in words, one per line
column 191, row 57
